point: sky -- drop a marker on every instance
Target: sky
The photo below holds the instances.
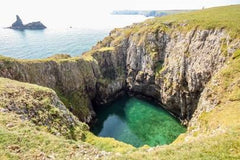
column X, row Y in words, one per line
column 81, row 12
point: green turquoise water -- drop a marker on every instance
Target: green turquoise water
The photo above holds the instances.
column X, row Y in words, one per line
column 137, row 122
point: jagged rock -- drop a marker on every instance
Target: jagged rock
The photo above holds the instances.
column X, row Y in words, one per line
column 35, row 26
column 18, row 25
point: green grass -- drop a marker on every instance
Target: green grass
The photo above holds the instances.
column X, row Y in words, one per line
column 60, row 56
column 40, row 106
column 220, row 17
column 226, row 17
column 24, row 140
column 158, row 68
column 108, row 144
column 223, row 146
column 104, row 49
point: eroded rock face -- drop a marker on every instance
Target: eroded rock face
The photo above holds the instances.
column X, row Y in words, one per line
column 77, row 81
column 172, row 67
column 189, row 63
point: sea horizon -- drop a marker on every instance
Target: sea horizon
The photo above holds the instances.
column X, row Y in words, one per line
column 69, row 39
column 36, row 44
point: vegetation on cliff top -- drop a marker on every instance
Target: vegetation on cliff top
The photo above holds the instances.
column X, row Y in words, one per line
column 226, row 17
column 41, row 106
column 220, row 17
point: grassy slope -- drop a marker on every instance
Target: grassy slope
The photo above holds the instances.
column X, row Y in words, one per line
column 26, row 141
column 220, row 17
column 39, row 104
column 23, row 139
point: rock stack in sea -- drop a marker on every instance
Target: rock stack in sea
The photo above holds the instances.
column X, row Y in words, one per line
column 18, row 25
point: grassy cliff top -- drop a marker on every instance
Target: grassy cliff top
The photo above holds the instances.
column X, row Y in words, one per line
column 226, row 18
column 220, row 17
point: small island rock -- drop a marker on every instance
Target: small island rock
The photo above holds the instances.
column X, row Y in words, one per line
column 18, row 25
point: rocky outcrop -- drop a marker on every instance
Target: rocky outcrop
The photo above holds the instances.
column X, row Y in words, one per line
column 40, row 105
column 168, row 64
column 18, row 25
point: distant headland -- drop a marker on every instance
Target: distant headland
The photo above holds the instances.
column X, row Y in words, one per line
column 18, row 25
column 148, row 13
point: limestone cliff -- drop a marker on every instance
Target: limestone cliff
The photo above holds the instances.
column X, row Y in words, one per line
column 168, row 61
column 170, row 66
column 76, row 80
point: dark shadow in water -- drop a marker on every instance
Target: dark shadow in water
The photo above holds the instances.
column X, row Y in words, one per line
column 103, row 112
column 23, row 33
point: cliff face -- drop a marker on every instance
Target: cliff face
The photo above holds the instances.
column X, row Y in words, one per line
column 169, row 62
column 171, row 66
column 179, row 70
column 77, row 81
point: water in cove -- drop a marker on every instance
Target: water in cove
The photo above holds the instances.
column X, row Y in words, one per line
column 137, row 122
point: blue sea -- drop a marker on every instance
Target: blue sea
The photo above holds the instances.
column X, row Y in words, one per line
column 31, row 44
